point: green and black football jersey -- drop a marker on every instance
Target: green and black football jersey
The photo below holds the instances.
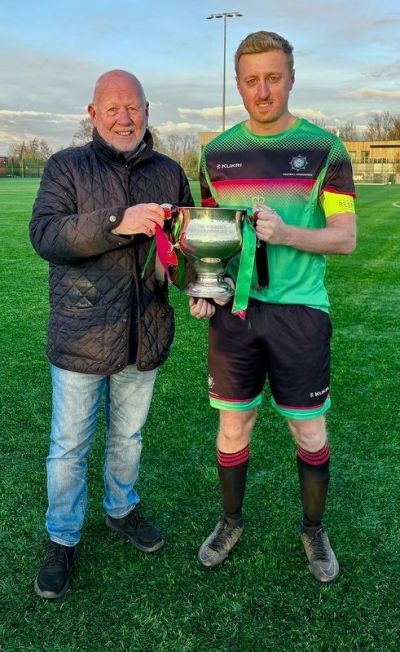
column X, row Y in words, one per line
column 292, row 172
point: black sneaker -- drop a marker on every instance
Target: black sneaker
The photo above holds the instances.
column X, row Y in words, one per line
column 323, row 563
column 53, row 578
column 218, row 545
column 140, row 533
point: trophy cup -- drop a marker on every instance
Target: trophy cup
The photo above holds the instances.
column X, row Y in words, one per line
column 209, row 237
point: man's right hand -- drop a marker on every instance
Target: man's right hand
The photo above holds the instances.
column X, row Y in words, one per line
column 201, row 308
column 141, row 218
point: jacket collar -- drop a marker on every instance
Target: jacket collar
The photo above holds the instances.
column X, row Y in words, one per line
column 130, row 159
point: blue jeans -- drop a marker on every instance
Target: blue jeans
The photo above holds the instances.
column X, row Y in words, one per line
column 76, row 405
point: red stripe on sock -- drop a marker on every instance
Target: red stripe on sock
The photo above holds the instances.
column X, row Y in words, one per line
column 317, row 458
column 233, row 459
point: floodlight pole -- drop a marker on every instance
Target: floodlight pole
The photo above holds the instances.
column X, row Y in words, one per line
column 224, row 15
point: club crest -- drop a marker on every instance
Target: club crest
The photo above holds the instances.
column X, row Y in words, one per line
column 299, row 163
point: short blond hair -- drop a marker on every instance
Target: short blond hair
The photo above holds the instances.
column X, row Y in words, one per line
column 262, row 41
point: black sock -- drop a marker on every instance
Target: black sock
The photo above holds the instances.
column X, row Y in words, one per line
column 313, row 471
column 232, row 471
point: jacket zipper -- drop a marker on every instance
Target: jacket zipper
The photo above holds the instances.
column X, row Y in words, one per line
column 135, row 284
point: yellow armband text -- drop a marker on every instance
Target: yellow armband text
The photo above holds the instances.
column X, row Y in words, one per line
column 333, row 202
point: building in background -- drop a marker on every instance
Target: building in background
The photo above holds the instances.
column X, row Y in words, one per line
column 375, row 161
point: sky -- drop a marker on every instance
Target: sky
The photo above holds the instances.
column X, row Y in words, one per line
column 347, row 60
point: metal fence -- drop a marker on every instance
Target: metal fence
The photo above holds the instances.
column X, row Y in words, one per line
column 378, row 171
column 24, row 169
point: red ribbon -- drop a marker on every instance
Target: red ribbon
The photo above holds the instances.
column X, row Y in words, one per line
column 165, row 251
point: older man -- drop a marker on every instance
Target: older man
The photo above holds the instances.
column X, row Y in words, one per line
column 96, row 212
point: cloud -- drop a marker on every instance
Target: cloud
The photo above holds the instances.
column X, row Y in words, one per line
column 7, row 139
column 170, row 127
column 388, row 71
column 389, row 21
column 367, row 93
column 235, row 112
column 310, row 114
column 35, row 80
column 56, row 128
column 40, row 115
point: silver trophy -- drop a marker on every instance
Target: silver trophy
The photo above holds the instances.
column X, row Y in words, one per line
column 209, row 237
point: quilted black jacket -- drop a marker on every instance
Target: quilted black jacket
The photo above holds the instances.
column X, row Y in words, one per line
column 100, row 308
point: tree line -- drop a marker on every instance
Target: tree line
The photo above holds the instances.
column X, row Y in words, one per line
column 180, row 147
column 29, row 157
column 382, row 126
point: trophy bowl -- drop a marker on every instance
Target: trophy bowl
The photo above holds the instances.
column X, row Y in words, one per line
column 209, row 238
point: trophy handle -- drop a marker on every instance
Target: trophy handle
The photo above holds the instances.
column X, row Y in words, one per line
column 170, row 210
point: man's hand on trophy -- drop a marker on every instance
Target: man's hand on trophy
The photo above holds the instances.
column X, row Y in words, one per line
column 269, row 225
column 141, row 218
column 223, row 302
column 201, row 308
column 204, row 308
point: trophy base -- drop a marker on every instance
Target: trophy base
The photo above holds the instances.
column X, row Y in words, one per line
column 209, row 289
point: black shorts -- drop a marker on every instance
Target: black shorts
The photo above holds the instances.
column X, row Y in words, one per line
column 287, row 344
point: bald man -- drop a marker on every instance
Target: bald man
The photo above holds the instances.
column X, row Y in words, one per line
column 94, row 219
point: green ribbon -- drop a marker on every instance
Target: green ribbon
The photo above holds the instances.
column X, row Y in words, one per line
column 246, row 266
column 149, row 255
column 182, row 262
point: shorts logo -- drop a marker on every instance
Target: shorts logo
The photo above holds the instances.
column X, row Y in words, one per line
column 210, row 382
column 319, row 392
column 298, row 163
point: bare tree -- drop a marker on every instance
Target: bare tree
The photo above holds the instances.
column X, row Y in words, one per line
column 348, row 132
column 172, row 145
column 44, row 150
column 83, row 134
column 157, row 140
column 190, row 154
column 380, row 127
column 34, row 149
column 28, row 157
column 183, row 148
column 319, row 122
column 394, row 133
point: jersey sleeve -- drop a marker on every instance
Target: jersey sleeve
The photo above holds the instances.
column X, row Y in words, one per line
column 339, row 176
column 207, row 199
